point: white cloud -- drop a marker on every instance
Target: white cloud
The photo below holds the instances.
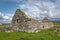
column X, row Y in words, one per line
column 5, row 18
column 38, row 9
column 51, row 14
column 1, row 14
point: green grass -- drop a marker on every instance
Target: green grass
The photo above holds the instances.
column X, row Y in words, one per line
column 46, row 34
column 4, row 25
column 56, row 24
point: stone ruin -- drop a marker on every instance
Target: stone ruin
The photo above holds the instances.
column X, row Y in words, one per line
column 21, row 22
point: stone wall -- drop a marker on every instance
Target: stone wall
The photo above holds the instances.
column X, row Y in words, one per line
column 21, row 22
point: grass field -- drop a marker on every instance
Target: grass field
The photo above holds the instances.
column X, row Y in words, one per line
column 46, row 34
column 4, row 25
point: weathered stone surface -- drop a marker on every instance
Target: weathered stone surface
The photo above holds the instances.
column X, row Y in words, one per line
column 47, row 23
column 21, row 22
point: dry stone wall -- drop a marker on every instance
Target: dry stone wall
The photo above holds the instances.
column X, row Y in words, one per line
column 21, row 22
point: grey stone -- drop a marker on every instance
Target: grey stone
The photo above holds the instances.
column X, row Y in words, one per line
column 21, row 22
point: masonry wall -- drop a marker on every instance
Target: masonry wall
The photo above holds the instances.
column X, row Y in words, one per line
column 21, row 22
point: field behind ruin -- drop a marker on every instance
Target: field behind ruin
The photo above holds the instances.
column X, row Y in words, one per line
column 46, row 34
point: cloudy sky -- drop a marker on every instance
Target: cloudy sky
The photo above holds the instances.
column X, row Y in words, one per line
column 37, row 9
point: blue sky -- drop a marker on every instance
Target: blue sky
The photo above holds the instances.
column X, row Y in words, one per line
column 36, row 9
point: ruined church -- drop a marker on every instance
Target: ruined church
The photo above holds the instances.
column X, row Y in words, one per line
column 21, row 22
